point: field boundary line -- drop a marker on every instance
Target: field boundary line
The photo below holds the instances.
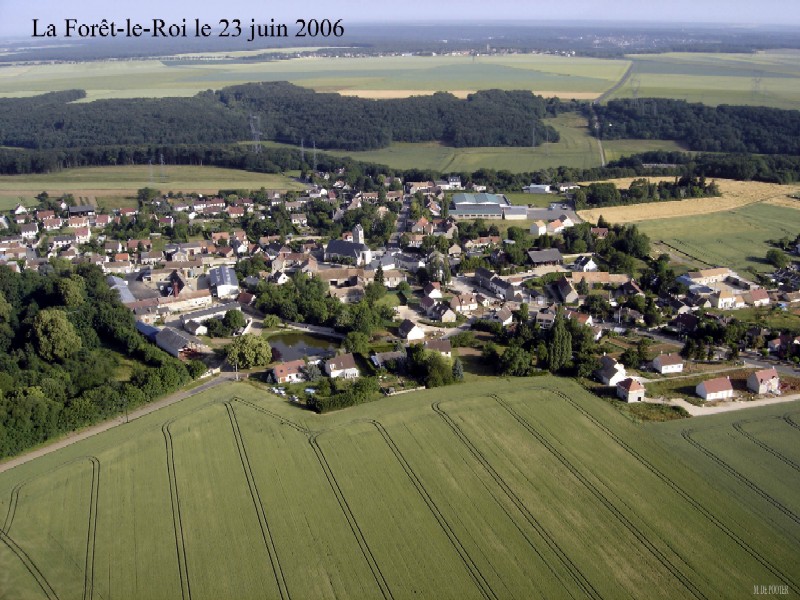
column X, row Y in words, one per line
column 598, row 494
column 791, row 422
column 788, row 461
column 577, row 576
column 687, row 435
column 736, row 538
column 177, row 522
column 255, row 496
column 478, row 578
column 602, row 97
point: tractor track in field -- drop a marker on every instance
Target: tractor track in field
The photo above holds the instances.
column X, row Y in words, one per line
column 283, row 420
column 380, row 580
column 791, row 422
column 747, row 482
column 603, row 499
column 736, row 538
column 577, row 576
column 785, row 460
column 478, row 578
column 255, row 496
column 177, row 522
column 91, row 533
column 29, row 565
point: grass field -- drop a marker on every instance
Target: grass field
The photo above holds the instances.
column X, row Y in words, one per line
column 770, row 78
column 735, row 238
column 500, row 489
column 116, row 186
column 373, row 76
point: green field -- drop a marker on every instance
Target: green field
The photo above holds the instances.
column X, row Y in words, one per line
column 500, row 489
column 115, row 186
column 770, row 78
column 576, row 149
column 576, row 76
column 735, row 239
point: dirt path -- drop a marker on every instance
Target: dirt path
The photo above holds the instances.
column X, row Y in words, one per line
column 699, row 411
column 75, row 437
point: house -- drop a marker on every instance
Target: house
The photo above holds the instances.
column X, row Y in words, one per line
column 584, row 264
column 566, row 291
column 538, row 228
column 343, row 365
column 442, row 313
column 464, row 303
column 299, row 219
column 715, row 389
column 600, row 233
column 551, row 256
column 630, row 390
column 427, row 304
column 611, row 372
column 545, row 319
column 723, row 300
column 555, row 226
column 443, row 347
column 629, row 288
column 288, row 372
column 765, row 381
column 504, row 316
column 411, row 331
column 758, row 297
column 668, row 363
column 28, row 232
column 433, row 290
column 223, row 282
column 387, row 359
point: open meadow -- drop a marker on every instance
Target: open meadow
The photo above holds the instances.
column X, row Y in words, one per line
column 116, row 186
column 500, row 489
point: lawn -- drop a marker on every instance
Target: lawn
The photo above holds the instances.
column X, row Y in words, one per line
column 496, row 488
column 116, row 186
column 770, row 78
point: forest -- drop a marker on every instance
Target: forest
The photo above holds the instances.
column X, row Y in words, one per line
column 70, row 355
column 642, row 190
column 282, row 112
column 752, row 129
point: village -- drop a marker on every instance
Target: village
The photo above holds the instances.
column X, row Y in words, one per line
column 452, row 259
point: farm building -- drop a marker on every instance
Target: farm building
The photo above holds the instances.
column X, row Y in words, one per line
column 668, row 363
column 175, row 342
column 536, row 188
column 343, row 365
column 765, row 381
column 715, row 389
column 223, row 282
column 541, row 258
column 630, row 390
column 478, row 206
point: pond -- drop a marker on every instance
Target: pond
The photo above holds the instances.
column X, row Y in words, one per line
column 292, row 346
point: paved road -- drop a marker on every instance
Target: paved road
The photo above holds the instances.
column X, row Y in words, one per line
column 75, row 437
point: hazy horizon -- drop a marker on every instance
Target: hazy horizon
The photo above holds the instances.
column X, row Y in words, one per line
column 16, row 16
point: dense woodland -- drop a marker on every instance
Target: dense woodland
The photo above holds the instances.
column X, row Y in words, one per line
column 70, row 355
column 753, row 129
column 642, row 190
column 287, row 113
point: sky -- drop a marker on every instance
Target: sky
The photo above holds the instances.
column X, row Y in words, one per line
column 16, row 15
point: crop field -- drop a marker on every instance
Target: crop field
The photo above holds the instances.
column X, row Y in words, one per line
column 115, row 186
column 523, row 489
column 770, row 78
column 370, row 77
column 615, row 149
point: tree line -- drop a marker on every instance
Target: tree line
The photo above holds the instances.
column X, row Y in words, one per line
column 724, row 128
column 286, row 112
column 63, row 336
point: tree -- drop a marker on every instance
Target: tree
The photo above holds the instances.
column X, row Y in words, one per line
column 234, row 320
column 516, row 361
column 357, row 343
column 560, row 352
column 55, row 336
column 777, row 259
column 271, row 321
column 379, row 274
column 583, row 287
column 458, row 370
column 72, row 290
column 249, row 351
column 374, row 291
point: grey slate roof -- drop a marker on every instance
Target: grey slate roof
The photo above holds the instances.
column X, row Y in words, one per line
column 343, row 248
